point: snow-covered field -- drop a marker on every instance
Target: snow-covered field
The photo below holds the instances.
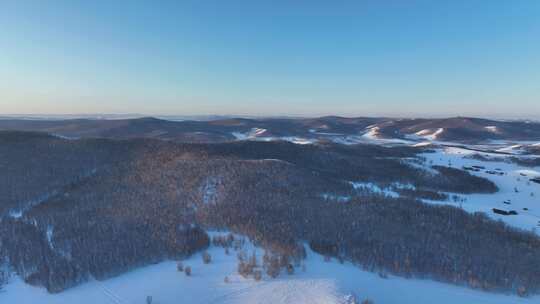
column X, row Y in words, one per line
column 321, row 282
column 516, row 191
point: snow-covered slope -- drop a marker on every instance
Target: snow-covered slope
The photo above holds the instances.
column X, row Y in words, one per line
column 261, row 134
column 426, row 134
column 493, row 129
column 372, row 136
column 320, row 282
column 372, row 133
column 516, row 191
column 252, row 134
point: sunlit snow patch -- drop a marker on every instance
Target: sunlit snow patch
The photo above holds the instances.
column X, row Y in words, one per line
column 492, row 129
column 253, row 133
column 372, row 133
column 429, row 134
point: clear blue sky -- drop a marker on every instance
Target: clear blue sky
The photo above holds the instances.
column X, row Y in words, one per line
column 395, row 58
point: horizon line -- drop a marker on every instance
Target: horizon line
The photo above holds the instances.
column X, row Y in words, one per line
column 117, row 116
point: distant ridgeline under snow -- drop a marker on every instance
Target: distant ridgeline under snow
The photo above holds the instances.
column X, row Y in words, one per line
column 299, row 130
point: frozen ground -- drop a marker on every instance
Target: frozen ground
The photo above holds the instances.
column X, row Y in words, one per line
column 321, row 282
column 515, row 187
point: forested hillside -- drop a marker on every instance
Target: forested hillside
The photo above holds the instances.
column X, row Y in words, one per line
column 76, row 209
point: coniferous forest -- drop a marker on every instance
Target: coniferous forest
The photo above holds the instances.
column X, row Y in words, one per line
column 72, row 210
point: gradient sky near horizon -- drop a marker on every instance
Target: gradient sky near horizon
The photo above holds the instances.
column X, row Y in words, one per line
column 282, row 57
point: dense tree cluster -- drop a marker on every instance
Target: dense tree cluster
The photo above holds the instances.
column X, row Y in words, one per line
column 148, row 200
column 532, row 161
column 451, row 180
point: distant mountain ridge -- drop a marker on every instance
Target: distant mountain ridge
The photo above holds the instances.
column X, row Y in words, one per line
column 223, row 129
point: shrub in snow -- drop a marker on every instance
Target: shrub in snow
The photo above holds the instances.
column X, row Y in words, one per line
column 271, row 264
column 241, row 256
column 187, row 271
column 290, row 269
column 244, row 269
column 522, row 291
column 207, row 258
column 283, row 260
column 257, row 275
column 180, row 266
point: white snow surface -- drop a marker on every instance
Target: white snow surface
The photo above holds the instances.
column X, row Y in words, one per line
column 260, row 134
column 423, row 132
column 372, row 133
column 511, row 149
column 253, row 133
column 515, row 177
column 374, row 188
column 320, row 283
column 298, row 140
column 371, row 136
column 422, row 144
column 429, row 134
